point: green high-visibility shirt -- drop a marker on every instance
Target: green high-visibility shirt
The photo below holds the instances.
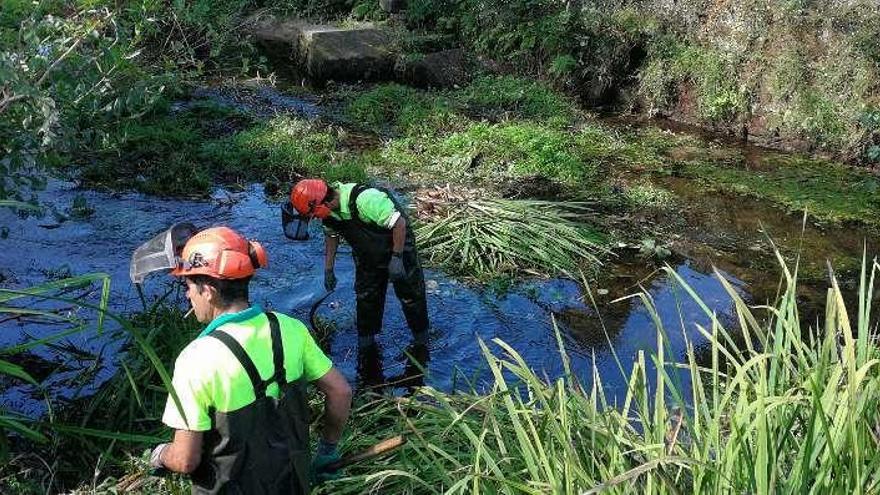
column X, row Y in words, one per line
column 374, row 206
column 208, row 376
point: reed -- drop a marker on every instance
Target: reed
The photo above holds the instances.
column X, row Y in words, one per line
column 487, row 238
column 794, row 409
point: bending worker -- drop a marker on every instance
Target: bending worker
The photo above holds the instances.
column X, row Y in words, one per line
column 383, row 247
column 242, row 423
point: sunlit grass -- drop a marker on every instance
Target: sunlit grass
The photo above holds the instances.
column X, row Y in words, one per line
column 790, row 411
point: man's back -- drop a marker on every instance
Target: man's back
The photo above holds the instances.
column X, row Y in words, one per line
column 256, row 437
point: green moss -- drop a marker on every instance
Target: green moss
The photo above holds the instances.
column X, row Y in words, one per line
column 826, row 190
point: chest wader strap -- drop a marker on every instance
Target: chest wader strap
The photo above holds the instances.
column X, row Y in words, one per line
column 248, row 364
column 280, row 375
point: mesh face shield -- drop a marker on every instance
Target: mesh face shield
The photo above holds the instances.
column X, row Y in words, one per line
column 296, row 226
column 160, row 253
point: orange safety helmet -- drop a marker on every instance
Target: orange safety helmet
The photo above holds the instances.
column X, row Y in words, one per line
column 310, row 197
column 220, row 252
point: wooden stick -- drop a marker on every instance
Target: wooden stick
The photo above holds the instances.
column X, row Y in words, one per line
column 376, row 450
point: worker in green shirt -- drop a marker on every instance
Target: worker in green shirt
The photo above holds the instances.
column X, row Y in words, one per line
column 383, row 247
column 242, row 420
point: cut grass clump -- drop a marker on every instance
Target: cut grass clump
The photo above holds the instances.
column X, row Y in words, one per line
column 488, row 239
column 785, row 411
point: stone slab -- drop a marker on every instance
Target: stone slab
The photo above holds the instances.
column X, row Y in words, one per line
column 323, row 53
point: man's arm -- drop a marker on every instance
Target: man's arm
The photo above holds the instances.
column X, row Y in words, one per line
column 184, row 454
column 337, row 404
column 398, row 235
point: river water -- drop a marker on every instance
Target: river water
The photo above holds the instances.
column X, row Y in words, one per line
column 733, row 236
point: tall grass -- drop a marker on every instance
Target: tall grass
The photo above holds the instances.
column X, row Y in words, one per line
column 90, row 433
column 794, row 409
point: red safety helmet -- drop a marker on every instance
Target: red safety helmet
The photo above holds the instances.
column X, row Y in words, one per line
column 310, row 197
column 220, row 252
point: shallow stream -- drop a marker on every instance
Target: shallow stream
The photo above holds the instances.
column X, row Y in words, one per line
column 725, row 231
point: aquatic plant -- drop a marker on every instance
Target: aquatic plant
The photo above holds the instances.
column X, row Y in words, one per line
column 826, row 190
column 87, row 433
column 491, row 238
column 15, row 422
column 775, row 405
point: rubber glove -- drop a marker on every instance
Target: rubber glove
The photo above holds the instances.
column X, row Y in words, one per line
column 329, row 280
column 396, row 270
column 156, row 456
column 156, row 466
column 327, row 454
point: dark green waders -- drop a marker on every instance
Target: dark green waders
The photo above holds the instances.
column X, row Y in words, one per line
column 262, row 448
column 371, row 249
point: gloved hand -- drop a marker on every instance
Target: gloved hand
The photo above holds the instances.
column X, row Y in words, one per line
column 396, row 269
column 327, row 454
column 329, row 280
column 156, row 458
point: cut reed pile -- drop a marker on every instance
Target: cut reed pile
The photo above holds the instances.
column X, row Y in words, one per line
column 489, row 238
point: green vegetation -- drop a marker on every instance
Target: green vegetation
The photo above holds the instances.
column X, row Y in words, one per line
column 646, row 195
column 408, row 111
column 788, row 410
column 182, row 155
column 76, row 73
column 404, row 110
column 282, row 149
column 770, row 405
column 496, row 238
column 718, row 98
column 492, row 152
column 827, row 190
column 496, row 96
